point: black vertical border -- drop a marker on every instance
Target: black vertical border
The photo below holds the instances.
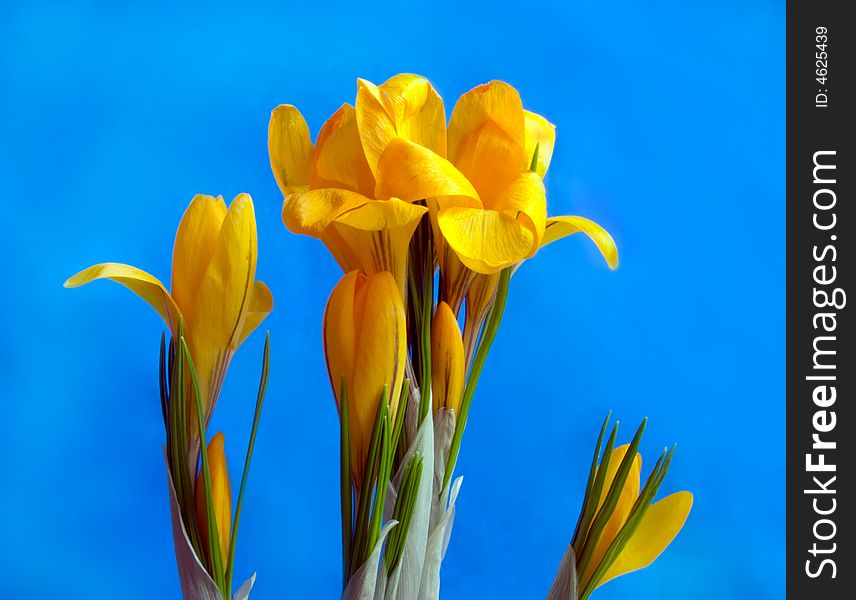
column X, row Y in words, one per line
column 812, row 129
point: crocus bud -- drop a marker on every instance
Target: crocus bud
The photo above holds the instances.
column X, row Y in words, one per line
column 447, row 360
column 365, row 342
column 221, row 497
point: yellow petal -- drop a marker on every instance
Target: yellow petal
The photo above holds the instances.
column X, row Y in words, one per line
column 486, row 241
column 526, row 200
column 261, row 305
column 221, row 497
column 626, row 499
column 455, row 277
column 338, row 160
column 376, row 236
column 138, row 281
column 412, row 172
column 290, row 149
column 222, row 302
column 486, row 138
column 559, row 227
column 659, row 526
column 195, row 242
column 540, row 133
column 310, row 213
column 447, row 360
column 405, row 106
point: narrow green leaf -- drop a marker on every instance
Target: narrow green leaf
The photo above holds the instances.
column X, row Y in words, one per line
column 213, row 535
column 260, row 397
column 587, row 509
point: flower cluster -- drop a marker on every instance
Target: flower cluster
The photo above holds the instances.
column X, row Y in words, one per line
column 405, row 204
column 428, row 221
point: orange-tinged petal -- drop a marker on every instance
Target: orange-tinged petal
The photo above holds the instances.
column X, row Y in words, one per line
column 145, row 286
column 376, row 236
column 540, row 133
column 447, row 360
column 364, row 339
column 223, row 300
column 405, row 106
column 221, row 497
column 338, row 160
column 381, row 348
column 194, row 246
column 486, row 241
column 486, row 138
column 339, row 332
column 526, row 199
column 412, row 172
column 559, row 227
column 310, row 213
column 290, row 149
column 661, row 523
column 261, row 305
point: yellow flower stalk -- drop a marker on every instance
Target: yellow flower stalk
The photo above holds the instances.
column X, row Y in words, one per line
column 332, row 188
column 221, row 496
column 448, row 369
column 365, row 343
column 213, row 305
column 213, row 287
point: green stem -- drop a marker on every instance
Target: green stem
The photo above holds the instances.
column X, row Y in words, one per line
column 489, row 333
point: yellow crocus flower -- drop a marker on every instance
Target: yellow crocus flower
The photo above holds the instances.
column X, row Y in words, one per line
column 504, row 152
column 365, row 342
column 448, row 369
column 221, row 497
column 331, row 188
column 213, row 287
column 659, row 526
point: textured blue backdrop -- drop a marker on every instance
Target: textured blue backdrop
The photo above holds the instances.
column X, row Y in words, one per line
column 670, row 123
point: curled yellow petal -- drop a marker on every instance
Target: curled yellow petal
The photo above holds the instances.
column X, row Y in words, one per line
column 540, row 134
column 310, row 213
column 338, row 160
column 661, row 523
column 447, row 360
column 339, row 332
column 376, row 236
column 526, row 199
column 145, row 286
column 221, row 497
column 559, row 227
column 406, row 106
column 486, row 241
column 194, row 246
column 261, row 305
column 412, row 172
column 290, row 149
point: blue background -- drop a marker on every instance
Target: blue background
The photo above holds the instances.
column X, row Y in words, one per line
column 670, row 122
